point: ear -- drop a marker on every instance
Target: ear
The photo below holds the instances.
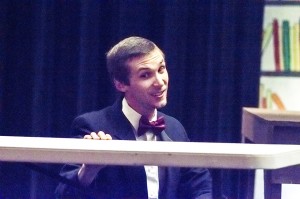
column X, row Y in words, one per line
column 120, row 86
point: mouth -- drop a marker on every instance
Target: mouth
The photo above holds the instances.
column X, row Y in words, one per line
column 159, row 94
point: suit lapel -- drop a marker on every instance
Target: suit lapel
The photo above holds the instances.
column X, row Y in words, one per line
column 122, row 127
column 164, row 137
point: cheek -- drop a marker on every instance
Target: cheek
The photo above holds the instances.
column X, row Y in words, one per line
column 166, row 79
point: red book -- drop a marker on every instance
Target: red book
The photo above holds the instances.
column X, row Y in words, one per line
column 276, row 45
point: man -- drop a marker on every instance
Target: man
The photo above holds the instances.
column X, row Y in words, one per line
column 138, row 70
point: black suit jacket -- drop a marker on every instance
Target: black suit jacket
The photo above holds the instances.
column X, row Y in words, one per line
column 115, row 182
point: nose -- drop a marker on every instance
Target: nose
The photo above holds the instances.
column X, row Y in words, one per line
column 160, row 79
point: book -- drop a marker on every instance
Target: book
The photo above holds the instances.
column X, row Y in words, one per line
column 296, row 48
column 292, row 49
column 276, row 44
column 286, row 45
column 280, row 48
column 277, row 101
column 267, row 35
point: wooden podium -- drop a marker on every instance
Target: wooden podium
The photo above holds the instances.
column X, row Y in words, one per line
column 262, row 126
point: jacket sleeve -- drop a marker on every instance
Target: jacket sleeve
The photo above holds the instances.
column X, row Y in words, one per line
column 195, row 183
column 71, row 187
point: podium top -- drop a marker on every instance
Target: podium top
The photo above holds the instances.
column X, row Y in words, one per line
column 274, row 115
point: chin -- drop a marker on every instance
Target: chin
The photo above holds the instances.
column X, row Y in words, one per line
column 161, row 104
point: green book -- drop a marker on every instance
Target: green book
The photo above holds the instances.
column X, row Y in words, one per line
column 286, row 45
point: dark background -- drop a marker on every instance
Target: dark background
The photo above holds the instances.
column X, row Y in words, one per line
column 52, row 68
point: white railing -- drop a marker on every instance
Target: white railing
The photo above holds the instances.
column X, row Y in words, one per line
column 117, row 152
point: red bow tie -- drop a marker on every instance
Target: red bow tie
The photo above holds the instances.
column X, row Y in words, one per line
column 156, row 126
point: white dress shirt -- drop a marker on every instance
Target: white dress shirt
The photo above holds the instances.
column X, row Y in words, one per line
column 151, row 171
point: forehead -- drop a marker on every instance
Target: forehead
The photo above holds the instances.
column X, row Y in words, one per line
column 155, row 57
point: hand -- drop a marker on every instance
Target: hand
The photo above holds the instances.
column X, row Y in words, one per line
column 98, row 136
column 87, row 172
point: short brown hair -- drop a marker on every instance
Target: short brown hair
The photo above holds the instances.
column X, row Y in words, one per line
column 118, row 56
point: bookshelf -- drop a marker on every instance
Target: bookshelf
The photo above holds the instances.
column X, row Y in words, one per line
column 280, row 74
column 280, row 56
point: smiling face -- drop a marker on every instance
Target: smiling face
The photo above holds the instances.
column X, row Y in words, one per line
column 148, row 83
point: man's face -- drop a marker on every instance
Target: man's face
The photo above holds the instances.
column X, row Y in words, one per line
column 148, row 83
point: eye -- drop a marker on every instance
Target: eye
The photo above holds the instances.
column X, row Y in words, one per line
column 144, row 75
column 162, row 69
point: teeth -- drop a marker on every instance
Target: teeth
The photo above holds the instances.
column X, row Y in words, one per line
column 158, row 94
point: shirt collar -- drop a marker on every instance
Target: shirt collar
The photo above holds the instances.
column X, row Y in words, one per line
column 133, row 116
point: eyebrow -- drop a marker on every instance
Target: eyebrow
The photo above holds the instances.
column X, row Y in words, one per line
column 162, row 62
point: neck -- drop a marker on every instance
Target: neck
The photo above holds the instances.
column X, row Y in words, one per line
column 148, row 113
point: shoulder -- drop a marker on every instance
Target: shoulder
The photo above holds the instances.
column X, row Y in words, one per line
column 92, row 115
column 87, row 122
column 96, row 120
column 174, row 129
column 100, row 115
column 169, row 119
